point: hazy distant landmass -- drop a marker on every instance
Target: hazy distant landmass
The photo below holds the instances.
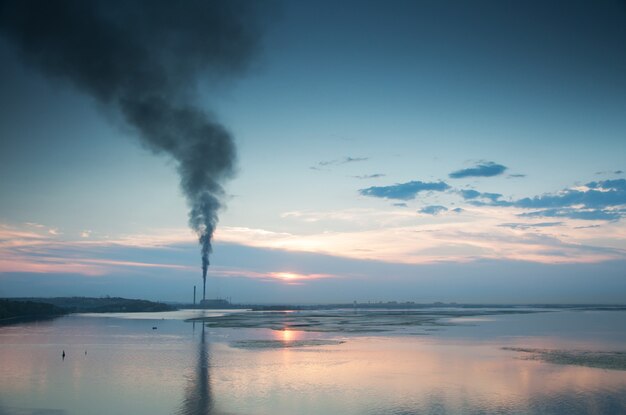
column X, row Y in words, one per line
column 90, row 305
column 12, row 309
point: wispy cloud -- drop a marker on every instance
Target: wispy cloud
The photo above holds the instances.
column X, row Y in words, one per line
column 352, row 218
column 403, row 191
column 369, row 176
column 55, row 258
column 616, row 172
column 433, row 210
column 34, row 225
column 43, row 252
column 337, row 162
column 518, row 225
column 572, row 213
column 484, row 169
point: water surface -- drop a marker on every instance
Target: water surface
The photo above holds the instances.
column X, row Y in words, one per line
column 340, row 362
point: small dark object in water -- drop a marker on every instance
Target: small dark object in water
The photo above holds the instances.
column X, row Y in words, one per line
column 154, row 328
column 63, row 355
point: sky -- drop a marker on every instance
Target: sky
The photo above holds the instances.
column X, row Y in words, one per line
column 399, row 150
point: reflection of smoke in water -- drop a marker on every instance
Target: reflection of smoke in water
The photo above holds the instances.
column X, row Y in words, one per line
column 198, row 396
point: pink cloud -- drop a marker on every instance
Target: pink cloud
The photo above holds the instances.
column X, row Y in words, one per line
column 40, row 251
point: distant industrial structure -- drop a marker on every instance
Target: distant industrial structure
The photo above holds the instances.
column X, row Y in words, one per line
column 216, row 303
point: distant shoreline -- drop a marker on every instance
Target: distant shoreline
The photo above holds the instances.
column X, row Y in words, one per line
column 15, row 310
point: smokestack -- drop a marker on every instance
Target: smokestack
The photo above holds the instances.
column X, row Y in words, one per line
column 142, row 60
column 194, row 295
column 204, row 286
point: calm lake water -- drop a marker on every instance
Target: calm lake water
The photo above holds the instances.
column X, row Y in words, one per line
column 481, row 364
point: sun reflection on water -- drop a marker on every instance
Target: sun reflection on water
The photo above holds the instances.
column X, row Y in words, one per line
column 287, row 335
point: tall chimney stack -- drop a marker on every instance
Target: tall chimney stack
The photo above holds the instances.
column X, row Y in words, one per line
column 204, row 289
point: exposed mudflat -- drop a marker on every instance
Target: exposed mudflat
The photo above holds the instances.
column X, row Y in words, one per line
column 602, row 360
column 345, row 321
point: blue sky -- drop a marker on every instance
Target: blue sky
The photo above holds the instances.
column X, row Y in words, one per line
column 387, row 150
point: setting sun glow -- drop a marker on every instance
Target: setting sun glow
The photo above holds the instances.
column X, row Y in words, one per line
column 288, row 276
column 295, row 278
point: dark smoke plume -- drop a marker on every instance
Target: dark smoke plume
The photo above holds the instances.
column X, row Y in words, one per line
column 143, row 59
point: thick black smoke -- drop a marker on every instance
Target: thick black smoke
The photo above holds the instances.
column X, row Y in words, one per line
column 143, row 59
